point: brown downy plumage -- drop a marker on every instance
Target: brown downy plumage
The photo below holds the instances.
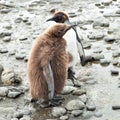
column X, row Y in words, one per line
column 48, row 63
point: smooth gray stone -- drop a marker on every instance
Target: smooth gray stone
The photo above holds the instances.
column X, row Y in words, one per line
column 3, row 91
column 77, row 113
column 5, row 33
column 58, row 111
column 65, row 117
column 79, row 92
column 9, row 77
column 114, row 72
column 83, row 98
column 75, row 105
column 98, row 114
column 109, row 39
column 13, row 94
column 68, row 90
column 116, row 107
column 90, row 105
column 104, row 62
column 7, row 39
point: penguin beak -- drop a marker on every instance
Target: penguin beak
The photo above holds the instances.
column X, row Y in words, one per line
column 52, row 19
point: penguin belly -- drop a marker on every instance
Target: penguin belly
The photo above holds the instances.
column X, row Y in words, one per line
column 71, row 40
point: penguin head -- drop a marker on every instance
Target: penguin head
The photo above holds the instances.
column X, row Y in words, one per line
column 60, row 17
column 59, row 29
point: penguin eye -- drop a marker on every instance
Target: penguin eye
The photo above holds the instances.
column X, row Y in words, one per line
column 59, row 17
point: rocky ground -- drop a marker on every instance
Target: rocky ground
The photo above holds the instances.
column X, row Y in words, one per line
column 97, row 95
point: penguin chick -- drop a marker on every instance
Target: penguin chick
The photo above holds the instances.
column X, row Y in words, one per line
column 48, row 63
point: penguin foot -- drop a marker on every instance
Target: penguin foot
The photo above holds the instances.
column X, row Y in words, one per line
column 55, row 101
column 27, row 101
column 33, row 100
column 57, row 98
column 71, row 76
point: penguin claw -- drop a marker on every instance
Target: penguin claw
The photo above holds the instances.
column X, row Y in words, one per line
column 55, row 103
column 57, row 98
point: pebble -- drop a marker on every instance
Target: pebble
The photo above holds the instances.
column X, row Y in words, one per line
column 68, row 90
column 111, row 15
column 18, row 20
column 13, row 94
column 116, row 63
column 58, row 111
column 20, row 114
column 3, row 91
column 97, row 50
column 56, row 2
column 3, row 50
column 25, row 118
column 77, row 113
column 28, row 23
column 98, row 56
column 23, row 38
column 9, row 77
column 83, row 98
column 116, row 107
column 90, row 105
column 104, row 62
column 99, row 36
column 98, row 114
column 79, row 92
column 77, row 83
column 109, row 39
column 87, row 45
column 114, row 72
column 7, row 26
column 1, row 70
column 116, row 54
column 14, row 119
column 106, row 2
column 65, row 117
column 110, row 30
column 4, row 11
column 100, row 24
column 97, row 4
column 88, row 114
column 5, row 33
column 51, row 119
column 26, row 58
column 118, row 12
column 96, row 35
column 75, row 105
column 91, row 82
column 7, row 39
column 19, row 56
column 69, row 82
column 52, row 10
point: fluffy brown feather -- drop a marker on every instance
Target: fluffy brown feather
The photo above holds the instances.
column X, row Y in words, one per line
column 49, row 47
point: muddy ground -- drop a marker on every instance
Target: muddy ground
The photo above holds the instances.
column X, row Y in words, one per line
column 22, row 21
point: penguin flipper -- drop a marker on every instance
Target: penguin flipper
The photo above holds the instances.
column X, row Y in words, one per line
column 80, row 48
column 81, row 53
column 48, row 73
